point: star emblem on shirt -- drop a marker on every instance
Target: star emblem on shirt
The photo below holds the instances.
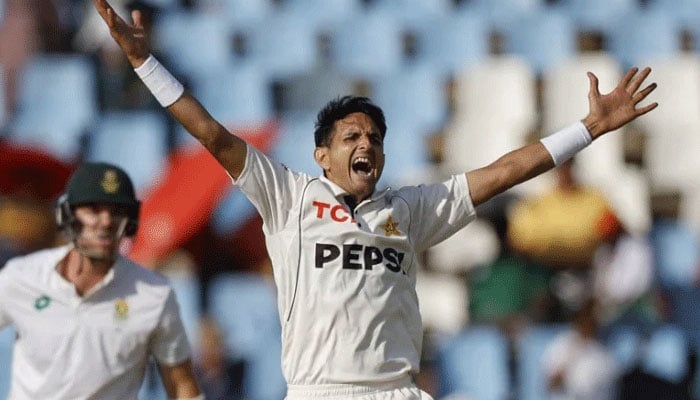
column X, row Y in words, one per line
column 121, row 308
column 391, row 228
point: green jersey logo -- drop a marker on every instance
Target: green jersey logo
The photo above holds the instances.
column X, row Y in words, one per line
column 42, row 302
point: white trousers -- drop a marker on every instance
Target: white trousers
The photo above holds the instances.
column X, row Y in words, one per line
column 402, row 389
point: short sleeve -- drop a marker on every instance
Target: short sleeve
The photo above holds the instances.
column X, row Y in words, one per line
column 4, row 289
column 439, row 209
column 170, row 345
column 271, row 187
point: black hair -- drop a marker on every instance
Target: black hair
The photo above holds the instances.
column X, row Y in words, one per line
column 341, row 107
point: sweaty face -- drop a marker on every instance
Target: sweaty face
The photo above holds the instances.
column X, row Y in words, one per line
column 354, row 159
column 101, row 227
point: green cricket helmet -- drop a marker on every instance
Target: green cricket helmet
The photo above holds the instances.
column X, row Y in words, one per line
column 98, row 183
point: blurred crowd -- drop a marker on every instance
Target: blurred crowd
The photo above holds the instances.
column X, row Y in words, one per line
column 583, row 282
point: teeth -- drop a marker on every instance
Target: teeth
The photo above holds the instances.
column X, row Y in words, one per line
column 362, row 159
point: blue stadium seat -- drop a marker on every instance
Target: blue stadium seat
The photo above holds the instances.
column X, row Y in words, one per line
column 7, row 341
column 56, row 104
column 322, row 14
column 501, row 12
column 644, row 37
column 666, row 353
column 452, row 43
column 598, row 15
column 544, row 39
column 624, row 344
column 244, row 306
column 676, row 253
column 194, row 42
column 287, row 50
column 152, row 387
column 412, row 10
column 475, row 364
column 687, row 12
column 188, row 295
column 415, row 94
column 134, row 140
column 532, row 382
column 370, row 45
column 232, row 212
column 295, row 145
column 236, row 94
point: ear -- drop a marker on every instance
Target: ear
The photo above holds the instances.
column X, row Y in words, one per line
column 321, row 157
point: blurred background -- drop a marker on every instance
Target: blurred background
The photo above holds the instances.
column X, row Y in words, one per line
column 582, row 283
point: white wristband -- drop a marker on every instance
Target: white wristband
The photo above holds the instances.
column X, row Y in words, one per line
column 563, row 144
column 160, row 81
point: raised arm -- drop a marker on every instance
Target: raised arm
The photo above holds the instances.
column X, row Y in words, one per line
column 227, row 148
column 606, row 113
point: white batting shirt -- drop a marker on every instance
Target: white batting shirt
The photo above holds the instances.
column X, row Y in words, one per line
column 346, row 279
column 90, row 347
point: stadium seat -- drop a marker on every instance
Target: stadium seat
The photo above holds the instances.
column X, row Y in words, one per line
column 452, row 43
column 236, row 95
column 186, row 52
column 152, row 387
column 666, row 353
column 415, row 94
column 370, row 45
column 495, row 111
column 244, row 307
column 643, row 37
column 544, row 39
column 531, row 378
column 232, row 212
column 295, row 145
column 188, row 295
column 412, row 10
column 287, row 50
column 676, row 253
column 501, row 12
column 598, row 15
column 322, row 14
column 239, row 12
column 624, row 344
column 565, row 100
column 134, row 140
column 475, row 363
column 56, row 104
column 7, row 341
column 673, row 130
column 685, row 11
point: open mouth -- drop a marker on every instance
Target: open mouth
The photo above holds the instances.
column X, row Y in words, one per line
column 362, row 165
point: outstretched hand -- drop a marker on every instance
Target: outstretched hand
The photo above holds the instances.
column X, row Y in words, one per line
column 611, row 111
column 131, row 38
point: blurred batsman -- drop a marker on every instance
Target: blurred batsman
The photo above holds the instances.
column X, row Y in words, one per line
column 344, row 253
column 87, row 320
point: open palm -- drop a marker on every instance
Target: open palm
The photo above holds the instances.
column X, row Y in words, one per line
column 612, row 110
column 131, row 38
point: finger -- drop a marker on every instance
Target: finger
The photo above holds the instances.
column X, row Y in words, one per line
column 637, row 81
column 102, row 8
column 593, row 84
column 137, row 17
column 628, row 77
column 642, row 94
column 646, row 109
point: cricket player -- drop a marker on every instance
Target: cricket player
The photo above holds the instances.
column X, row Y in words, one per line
column 344, row 253
column 87, row 320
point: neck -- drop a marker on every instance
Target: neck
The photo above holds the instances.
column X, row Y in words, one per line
column 82, row 271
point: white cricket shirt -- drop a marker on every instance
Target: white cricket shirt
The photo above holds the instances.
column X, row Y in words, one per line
column 90, row 347
column 346, row 280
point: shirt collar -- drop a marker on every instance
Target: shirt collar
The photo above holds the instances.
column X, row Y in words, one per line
column 339, row 192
